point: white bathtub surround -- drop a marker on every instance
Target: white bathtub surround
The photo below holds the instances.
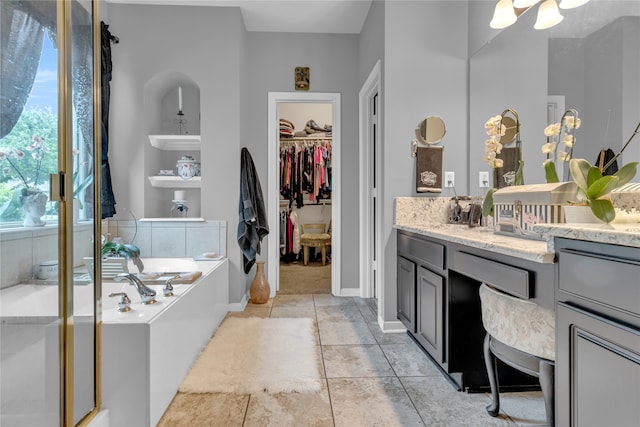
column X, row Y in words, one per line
column 145, row 357
column 176, row 238
column 22, row 250
column 146, row 352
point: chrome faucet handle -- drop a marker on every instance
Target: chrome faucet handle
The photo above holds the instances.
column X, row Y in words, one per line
column 168, row 286
column 124, row 304
column 147, row 295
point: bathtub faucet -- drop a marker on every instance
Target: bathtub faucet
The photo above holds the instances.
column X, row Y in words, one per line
column 147, row 295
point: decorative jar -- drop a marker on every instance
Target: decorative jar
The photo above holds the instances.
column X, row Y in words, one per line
column 188, row 167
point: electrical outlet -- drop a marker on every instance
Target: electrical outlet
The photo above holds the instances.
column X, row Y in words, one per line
column 483, row 179
column 449, row 179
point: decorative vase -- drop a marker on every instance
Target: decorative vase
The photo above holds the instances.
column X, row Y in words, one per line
column 33, row 203
column 188, row 167
column 580, row 214
column 260, row 288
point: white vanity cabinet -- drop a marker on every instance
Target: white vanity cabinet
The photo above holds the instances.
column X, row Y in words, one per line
column 180, row 143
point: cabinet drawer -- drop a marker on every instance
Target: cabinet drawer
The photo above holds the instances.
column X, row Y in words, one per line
column 608, row 280
column 513, row 280
column 430, row 253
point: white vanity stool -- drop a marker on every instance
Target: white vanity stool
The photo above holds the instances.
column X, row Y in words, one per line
column 521, row 334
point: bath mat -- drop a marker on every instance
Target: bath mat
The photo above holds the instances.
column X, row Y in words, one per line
column 250, row 355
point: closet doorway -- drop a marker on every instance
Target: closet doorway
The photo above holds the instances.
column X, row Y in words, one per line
column 304, row 193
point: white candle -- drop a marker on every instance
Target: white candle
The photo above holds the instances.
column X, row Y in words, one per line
column 179, row 195
column 179, row 98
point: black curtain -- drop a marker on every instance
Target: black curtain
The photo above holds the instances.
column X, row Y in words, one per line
column 108, row 199
column 22, row 35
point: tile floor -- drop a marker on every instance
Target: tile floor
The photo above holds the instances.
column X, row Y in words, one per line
column 371, row 379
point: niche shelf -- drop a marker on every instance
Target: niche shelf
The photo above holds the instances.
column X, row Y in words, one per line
column 175, row 182
column 175, row 142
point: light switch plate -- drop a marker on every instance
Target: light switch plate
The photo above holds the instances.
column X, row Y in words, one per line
column 483, row 179
column 449, row 179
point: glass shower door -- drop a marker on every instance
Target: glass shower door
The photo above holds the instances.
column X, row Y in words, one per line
column 48, row 323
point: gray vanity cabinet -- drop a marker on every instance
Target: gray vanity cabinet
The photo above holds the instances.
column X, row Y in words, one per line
column 407, row 293
column 429, row 314
column 598, row 322
column 421, row 291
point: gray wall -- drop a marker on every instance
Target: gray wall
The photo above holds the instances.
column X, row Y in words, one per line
column 423, row 46
column 425, row 73
column 332, row 59
column 371, row 42
column 205, row 44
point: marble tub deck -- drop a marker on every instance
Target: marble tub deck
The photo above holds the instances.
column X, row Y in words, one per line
column 370, row 378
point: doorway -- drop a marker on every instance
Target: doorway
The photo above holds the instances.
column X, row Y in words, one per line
column 305, row 205
column 321, row 205
column 371, row 265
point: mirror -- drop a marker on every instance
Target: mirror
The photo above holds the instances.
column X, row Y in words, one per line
column 431, row 130
column 589, row 62
column 510, row 131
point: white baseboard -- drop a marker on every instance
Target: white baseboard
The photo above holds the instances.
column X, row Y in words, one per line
column 239, row 306
column 350, row 292
column 391, row 327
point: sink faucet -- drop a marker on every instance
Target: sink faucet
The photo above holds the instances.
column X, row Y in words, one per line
column 147, row 295
column 168, row 286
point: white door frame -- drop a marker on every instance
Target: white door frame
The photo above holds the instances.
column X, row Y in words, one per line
column 370, row 88
column 273, row 192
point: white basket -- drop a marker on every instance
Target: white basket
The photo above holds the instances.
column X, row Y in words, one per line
column 518, row 208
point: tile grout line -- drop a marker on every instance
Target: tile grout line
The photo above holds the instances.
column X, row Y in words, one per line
column 324, row 367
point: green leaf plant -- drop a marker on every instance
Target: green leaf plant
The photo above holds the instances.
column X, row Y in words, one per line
column 593, row 188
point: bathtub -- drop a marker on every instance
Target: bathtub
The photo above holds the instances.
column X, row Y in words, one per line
column 146, row 352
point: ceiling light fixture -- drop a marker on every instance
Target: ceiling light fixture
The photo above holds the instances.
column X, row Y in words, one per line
column 548, row 15
column 508, row 11
column 504, row 15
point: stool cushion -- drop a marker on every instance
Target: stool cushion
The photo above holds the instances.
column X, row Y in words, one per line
column 317, row 239
column 518, row 323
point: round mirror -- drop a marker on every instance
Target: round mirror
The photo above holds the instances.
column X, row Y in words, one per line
column 431, row 130
column 511, row 130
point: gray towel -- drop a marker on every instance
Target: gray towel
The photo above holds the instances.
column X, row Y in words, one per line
column 429, row 169
column 505, row 176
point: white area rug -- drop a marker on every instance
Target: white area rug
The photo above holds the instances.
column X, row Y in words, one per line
column 250, row 355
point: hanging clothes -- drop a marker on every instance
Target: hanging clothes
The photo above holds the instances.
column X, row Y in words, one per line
column 305, row 170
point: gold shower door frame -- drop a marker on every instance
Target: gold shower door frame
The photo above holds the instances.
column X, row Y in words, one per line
column 64, row 194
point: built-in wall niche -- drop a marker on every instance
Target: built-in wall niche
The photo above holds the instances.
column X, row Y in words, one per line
column 172, row 128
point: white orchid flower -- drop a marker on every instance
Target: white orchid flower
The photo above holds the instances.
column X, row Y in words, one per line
column 552, row 130
column 549, row 147
column 568, row 140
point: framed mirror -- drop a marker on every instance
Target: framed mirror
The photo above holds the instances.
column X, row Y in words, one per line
column 431, row 130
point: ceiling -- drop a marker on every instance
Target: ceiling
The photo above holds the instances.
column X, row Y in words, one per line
column 290, row 16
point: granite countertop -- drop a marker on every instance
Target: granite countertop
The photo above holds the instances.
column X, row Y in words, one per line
column 484, row 238
column 428, row 216
column 616, row 234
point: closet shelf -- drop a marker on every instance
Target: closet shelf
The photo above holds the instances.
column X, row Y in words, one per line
column 175, row 182
column 176, row 142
